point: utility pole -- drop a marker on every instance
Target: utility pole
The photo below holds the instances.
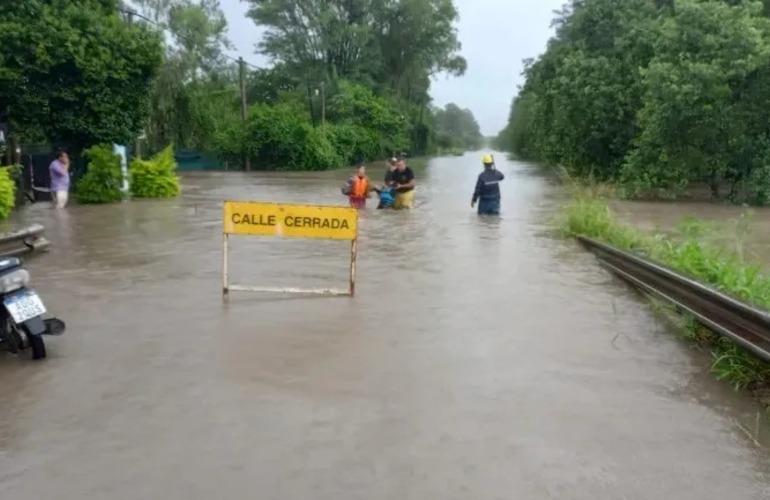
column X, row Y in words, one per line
column 323, row 109
column 244, row 111
column 138, row 141
column 310, row 104
column 6, row 144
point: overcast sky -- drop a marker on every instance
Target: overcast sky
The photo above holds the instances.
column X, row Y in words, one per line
column 496, row 36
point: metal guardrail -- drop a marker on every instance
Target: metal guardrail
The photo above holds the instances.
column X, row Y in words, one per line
column 742, row 323
column 27, row 240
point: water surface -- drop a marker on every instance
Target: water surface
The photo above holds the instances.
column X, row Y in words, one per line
column 479, row 359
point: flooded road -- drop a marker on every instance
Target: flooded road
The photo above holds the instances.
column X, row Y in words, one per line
column 480, row 359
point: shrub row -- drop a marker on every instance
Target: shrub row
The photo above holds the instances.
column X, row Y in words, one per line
column 153, row 178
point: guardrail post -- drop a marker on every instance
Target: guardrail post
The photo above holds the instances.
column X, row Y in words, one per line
column 225, row 271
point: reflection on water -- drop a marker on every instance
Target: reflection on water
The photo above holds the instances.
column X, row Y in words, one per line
column 479, row 357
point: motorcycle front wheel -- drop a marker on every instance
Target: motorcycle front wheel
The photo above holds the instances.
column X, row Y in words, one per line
column 37, row 346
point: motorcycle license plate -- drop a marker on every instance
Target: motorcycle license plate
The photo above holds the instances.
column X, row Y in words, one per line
column 24, row 306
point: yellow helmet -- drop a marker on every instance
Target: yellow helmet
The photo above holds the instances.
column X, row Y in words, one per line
column 487, row 160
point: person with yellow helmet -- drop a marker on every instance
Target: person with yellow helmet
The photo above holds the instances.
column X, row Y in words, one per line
column 487, row 192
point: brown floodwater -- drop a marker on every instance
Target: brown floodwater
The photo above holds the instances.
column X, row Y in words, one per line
column 740, row 229
column 480, row 359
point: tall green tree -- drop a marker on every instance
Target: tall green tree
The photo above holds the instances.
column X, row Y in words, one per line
column 361, row 40
column 659, row 95
column 391, row 46
column 588, row 87
column 74, row 72
column 195, row 90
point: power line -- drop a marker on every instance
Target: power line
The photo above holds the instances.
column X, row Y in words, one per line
column 131, row 13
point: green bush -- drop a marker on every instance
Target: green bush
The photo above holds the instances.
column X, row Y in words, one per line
column 7, row 192
column 103, row 179
column 318, row 153
column 381, row 126
column 285, row 134
column 229, row 142
column 156, row 177
column 355, row 143
column 277, row 139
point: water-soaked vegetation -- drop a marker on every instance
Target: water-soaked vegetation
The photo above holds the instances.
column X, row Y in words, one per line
column 688, row 251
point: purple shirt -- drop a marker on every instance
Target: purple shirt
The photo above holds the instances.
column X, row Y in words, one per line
column 60, row 179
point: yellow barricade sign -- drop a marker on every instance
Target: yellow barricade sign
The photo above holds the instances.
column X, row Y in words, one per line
column 250, row 218
column 290, row 221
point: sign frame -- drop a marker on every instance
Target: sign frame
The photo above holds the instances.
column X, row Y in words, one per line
column 227, row 286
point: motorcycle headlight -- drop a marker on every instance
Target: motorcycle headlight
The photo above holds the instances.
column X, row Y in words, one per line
column 14, row 280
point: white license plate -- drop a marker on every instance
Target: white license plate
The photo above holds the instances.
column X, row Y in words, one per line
column 24, row 306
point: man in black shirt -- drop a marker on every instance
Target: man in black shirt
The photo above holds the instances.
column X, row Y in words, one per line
column 487, row 191
column 403, row 178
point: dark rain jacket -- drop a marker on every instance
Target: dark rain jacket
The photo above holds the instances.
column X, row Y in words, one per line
column 488, row 185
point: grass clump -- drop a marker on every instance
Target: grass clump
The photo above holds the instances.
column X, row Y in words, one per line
column 588, row 214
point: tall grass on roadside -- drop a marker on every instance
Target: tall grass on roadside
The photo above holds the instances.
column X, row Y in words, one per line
column 587, row 213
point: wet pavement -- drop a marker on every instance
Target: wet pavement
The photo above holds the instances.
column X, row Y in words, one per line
column 480, row 359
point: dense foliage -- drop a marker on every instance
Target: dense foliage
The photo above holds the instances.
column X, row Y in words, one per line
column 156, row 177
column 73, row 72
column 102, row 183
column 659, row 95
column 349, row 80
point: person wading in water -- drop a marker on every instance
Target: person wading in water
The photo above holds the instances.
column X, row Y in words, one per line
column 60, row 179
column 487, row 192
column 358, row 188
column 403, row 180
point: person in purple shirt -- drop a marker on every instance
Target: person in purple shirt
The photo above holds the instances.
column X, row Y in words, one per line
column 60, row 179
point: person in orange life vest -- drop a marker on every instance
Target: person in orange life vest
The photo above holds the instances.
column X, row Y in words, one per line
column 358, row 188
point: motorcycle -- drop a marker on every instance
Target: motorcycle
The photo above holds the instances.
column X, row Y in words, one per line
column 22, row 325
